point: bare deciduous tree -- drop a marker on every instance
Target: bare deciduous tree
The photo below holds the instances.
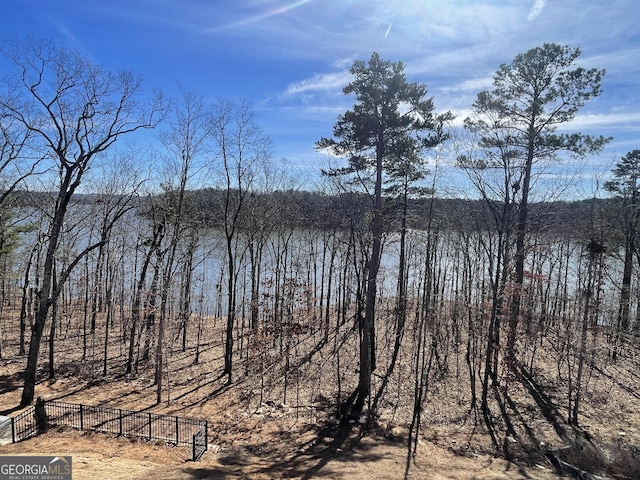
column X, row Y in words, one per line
column 241, row 148
column 74, row 110
column 184, row 142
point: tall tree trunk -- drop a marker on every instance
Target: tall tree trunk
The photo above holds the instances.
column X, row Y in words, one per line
column 96, row 304
column 231, row 312
column 185, row 294
column 52, row 335
column 582, row 352
column 625, row 288
column 401, row 301
column 151, row 303
column 108, row 300
column 25, row 298
column 46, row 296
column 367, row 321
column 158, row 234
column 255, row 256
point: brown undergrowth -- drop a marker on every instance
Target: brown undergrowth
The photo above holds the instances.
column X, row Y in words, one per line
column 279, row 418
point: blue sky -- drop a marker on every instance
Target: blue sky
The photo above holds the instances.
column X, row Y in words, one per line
column 291, row 58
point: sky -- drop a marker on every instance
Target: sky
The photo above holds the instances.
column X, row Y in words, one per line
column 290, row 59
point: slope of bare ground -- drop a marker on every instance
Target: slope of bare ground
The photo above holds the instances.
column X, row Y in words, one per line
column 260, row 430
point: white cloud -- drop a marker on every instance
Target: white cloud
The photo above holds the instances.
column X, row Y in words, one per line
column 319, row 83
column 536, row 9
column 630, row 120
column 473, row 85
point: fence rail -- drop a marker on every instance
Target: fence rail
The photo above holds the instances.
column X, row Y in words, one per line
column 125, row 423
column 200, row 443
column 24, row 425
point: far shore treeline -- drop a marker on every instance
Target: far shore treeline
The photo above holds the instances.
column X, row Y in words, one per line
column 309, row 209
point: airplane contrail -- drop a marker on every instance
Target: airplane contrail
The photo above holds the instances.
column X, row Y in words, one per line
column 388, row 30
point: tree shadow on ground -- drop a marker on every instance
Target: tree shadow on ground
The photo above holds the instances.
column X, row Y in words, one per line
column 545, row 403
column 512, row 430
column 9, row 383
column 332, row 443
column 13, row 382
column 221, row 473
column 201, row 400
column 582, row 455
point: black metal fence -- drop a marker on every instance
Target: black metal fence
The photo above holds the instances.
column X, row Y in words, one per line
column 24, row 426
column 200, row 443
column 126, row 423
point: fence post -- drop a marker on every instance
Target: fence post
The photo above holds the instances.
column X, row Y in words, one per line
column 206, row 435
column 177, row 433
column 120, row 422
column 81, row 418
column 13, row 431
column 149, row 426
column 193, row 447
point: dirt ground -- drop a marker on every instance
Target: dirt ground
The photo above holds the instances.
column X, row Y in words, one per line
column 267, row 444
column 97, row 456
column 297, row 439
